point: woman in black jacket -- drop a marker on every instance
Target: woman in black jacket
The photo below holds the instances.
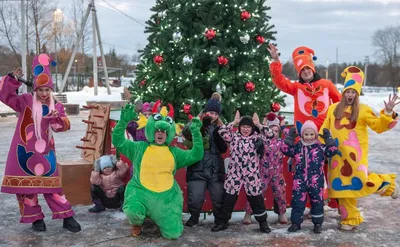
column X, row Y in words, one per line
column 209, row 173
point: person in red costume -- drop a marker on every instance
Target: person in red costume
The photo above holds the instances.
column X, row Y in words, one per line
column 312, row 94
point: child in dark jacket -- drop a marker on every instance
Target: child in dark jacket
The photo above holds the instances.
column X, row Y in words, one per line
column 108, row 187
column 309, row 175
column 209, row 173
column 244, row 168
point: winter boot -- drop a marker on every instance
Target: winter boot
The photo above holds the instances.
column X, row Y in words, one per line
column 136, row 230
column 282, row 219
column 317, row 228
column 264, row 227
column 71, row 224
column 247, row 219
column 98, row 207
column 294, row 228
column 39, row 226
column 220, row 227
column 193, row 220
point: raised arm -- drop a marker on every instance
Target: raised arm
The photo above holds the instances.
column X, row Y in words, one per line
column 127, row 147
column 331, row 145
column 189, row 157
column 8, row 93
column 226, row 131
column 288, row 146
column 278, row 78
column 387, row 118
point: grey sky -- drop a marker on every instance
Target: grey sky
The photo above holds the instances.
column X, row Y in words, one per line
column 322, row 25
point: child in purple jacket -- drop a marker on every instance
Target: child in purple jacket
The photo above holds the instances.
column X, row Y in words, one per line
column 308, row 178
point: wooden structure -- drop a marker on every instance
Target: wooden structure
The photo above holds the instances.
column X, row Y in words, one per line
column 75, row 174
column 94, row 139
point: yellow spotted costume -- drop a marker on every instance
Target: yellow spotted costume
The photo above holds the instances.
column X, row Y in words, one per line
column 348, row 175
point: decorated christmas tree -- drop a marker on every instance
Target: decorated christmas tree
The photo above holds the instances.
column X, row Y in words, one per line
column 197, row 47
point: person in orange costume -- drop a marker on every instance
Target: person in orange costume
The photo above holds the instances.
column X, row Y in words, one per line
column 312, row 94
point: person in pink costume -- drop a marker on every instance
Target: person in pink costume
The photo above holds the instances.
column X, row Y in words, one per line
column 271, row 170
column 31, row 166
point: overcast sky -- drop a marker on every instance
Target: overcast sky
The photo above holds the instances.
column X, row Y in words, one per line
column 322, row 25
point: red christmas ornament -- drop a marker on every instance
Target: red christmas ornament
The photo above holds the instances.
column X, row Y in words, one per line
column 222, row 60
column 142, row 83
column 275, row 107
column 187, row 108
column 210, row 34
column 158, row 59
column 245, row 15
column 250, row 86
column 260, row 39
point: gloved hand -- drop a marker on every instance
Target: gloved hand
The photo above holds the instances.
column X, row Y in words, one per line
column 259, row 146
column 291, row 137
column 128, row 113
column 207, row 121
column 329, row 141
column 196, row 125
column 186, row 132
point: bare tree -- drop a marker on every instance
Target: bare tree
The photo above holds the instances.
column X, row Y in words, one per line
column 9, row 28
column 41, row 17
column 387, row 43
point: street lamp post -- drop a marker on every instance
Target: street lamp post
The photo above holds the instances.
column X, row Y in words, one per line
column 58, row 17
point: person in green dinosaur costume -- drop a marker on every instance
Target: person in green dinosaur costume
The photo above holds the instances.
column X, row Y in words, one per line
column 153, row 192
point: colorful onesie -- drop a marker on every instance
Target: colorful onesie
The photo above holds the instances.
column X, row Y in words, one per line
column 348, row 175
column 308, row 179
column 271, row 170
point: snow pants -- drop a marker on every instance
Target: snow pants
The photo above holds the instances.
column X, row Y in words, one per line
column 196, row 196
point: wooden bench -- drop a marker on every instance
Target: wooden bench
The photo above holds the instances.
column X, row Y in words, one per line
column 70, row 109
column 75, row 177
column 61, row 98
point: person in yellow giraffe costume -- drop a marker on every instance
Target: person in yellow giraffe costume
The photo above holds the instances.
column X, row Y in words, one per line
column 348, row 175
column 153, row 192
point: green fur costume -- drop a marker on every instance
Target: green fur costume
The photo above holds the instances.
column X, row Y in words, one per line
column 153, row 192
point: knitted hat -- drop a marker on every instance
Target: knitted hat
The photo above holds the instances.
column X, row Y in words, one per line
column 354, row 78
column 41, row 71
column 214, row 104
column 309, row 125
column 247, row 120
column 146, row 107
column 303, row 57
column 273, row 120
column 107, row 161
